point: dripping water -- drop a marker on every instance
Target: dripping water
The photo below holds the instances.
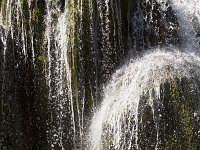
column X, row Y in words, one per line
column 124, row 92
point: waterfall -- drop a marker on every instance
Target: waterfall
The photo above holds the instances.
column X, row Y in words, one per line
column 57, row 71
column 189, row 20
column 14, row 49
column 99, row 74
column 137, row 87
column 39, row 51
column 118, row 114
column 188, row 16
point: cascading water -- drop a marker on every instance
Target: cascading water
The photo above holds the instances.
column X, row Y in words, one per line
column 188, row 17
column 57, row 72
column 115, row 124
column 46, row 50
column 56, row 55
column 136, row 101
column 39, row 54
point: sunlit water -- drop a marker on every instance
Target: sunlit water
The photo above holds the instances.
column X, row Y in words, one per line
column 139, row 77
column 123, row 93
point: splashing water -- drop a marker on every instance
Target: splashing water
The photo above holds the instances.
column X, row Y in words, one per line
column 140, row 77
column 123, row 94
column 117, row 117
column 189, row 20
column 188, row 17
column 7, row 20
column 57, row 71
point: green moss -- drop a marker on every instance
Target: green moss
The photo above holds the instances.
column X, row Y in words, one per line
column 36, row 15
column 170, row 118
column 73, row 46
column 37, row 20
column 41, row 58
column 106, row 141
column 3, row 9
column 181, row 101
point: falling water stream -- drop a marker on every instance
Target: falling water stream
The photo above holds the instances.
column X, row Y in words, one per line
column 118, row 114
column 99, row 75
column 115, row 124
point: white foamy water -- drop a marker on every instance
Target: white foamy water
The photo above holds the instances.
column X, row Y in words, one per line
column 188, row 17
column 139, row 77
column 58, row 73
column 123, row 93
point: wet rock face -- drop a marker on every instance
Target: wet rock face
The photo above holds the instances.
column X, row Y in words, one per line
column 100, row 35
column 150, row 25
column 172, row 121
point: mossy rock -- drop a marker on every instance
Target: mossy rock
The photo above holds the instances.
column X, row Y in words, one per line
column 41, row 58
column 36, row 15
column 170, row 121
